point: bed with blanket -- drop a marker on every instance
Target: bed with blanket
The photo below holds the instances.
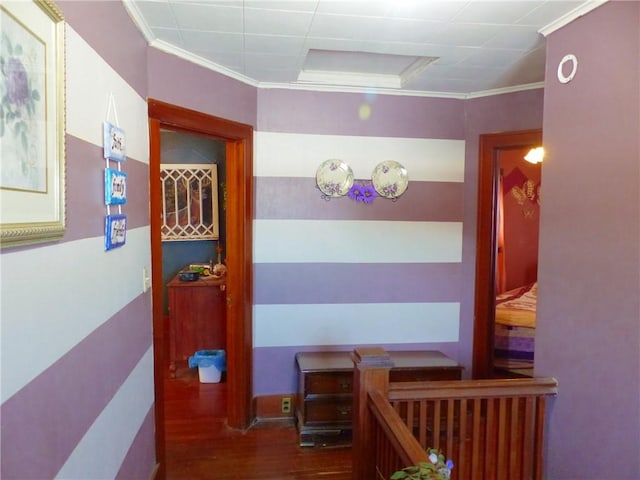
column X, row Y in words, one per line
column 514, row 331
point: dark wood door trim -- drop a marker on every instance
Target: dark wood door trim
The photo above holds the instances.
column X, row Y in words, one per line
column 489, row 151
column 239, row 163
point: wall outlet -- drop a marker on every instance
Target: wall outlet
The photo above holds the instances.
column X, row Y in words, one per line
column 285, row 406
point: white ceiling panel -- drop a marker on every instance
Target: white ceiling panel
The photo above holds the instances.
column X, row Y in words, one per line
column 495, row 13
column 195, row 40
column 518, row 38
column 480, row 44
column 357, row 8
column 432, row 10
column 209, row 18
column 157, row 14
column 288, row 5
column 273, row 44
column 276, row 22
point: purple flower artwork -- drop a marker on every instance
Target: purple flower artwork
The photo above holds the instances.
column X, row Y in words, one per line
column 22, row 108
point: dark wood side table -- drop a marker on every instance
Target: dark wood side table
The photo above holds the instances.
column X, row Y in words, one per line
column 197, row 318
column 325, row 385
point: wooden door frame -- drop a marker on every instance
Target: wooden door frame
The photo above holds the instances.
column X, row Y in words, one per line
column 239, row 213
column 485, row 291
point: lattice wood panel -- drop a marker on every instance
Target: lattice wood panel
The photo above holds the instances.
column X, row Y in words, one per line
column 189, row 202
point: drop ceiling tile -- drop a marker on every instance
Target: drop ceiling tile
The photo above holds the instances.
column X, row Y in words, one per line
column 261, row 21
column 274, row 44
column 518, row 38
column 210, row 18
column 528, row 69
column 212, row 41
column 449, row 54
column 372, row 8
column 410, row 31
column 360, row 62
column 157, row 14
column 347, row 27
column 288, row 5
column 467, row 35
column 271, row 62
column 549, row 11
column 495, row 12
column 492, row 58
column 431, row 10
column 311, row 43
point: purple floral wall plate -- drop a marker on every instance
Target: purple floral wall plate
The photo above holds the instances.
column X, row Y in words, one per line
column 390, row 179
column 334, row 178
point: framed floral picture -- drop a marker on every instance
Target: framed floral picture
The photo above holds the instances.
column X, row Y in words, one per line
column 32, row 123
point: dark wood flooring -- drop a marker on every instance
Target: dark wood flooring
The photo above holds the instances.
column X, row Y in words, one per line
column 199, row 445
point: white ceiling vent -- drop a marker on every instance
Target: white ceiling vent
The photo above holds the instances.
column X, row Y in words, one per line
column 330, row 67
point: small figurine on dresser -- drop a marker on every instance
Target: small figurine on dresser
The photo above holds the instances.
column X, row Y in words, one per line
column 219, row 269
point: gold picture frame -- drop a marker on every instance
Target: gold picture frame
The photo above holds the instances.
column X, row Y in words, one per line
column 32, row 123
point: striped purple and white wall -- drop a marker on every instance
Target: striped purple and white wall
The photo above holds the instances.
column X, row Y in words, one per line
column 77, row 359
column 333, row 274
column 77, row 393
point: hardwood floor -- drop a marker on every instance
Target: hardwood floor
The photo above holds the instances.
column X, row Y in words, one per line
column 199, row 445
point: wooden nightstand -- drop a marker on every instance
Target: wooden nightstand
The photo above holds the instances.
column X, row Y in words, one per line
column 325, row 385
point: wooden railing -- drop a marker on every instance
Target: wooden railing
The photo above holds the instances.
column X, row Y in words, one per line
column 491, row 429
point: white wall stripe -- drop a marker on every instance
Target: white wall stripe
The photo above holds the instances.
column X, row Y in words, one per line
column 114, row 430
column 300, row 155
column 324, row 241
column 65, row 310
column 344, row 324
column 88, row 101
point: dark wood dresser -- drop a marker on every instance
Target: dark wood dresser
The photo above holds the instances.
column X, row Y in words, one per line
column 325, row 385
column 197, row 318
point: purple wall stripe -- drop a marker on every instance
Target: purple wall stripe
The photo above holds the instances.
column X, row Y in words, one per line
column 299, row 198
column 177, row 81
column 45, row 420
column 141, row 454
column 126, row 52
column 85, row 191
column 332, row 113
column 274, row 368
column 320, row 283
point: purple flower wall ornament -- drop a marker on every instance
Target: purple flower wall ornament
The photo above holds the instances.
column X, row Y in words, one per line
column 362, row 193
column 369, row 193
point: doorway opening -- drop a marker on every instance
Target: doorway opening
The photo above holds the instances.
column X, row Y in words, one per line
column 238, row 216
column 493, row 147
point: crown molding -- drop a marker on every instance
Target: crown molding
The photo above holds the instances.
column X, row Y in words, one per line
column 571, row 16
column 203, row 62
column 500, row 91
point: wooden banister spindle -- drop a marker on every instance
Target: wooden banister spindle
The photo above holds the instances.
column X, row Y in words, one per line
column 371, row 372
